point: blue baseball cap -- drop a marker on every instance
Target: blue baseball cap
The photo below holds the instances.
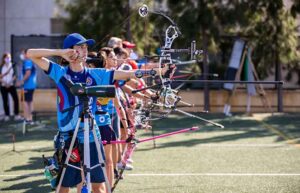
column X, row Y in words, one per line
column 76, row 39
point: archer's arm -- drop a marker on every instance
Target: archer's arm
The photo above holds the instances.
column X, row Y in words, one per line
column 127, row 74
column 128, row 89
column 133, row 83
column 124, row 75
column 39, row 56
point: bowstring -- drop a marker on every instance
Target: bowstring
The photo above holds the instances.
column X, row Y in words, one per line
column 109, row 34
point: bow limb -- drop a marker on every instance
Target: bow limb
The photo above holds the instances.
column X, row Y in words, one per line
column 126, row 155
column 130, row 130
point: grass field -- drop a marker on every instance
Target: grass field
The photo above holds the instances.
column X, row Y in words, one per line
column 253, row 154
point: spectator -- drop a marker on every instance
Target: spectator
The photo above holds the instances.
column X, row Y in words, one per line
column 129, row 47
column 114, row 42
column 29, row 84
column 8, row 78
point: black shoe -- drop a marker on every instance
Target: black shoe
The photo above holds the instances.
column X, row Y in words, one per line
column 116, row 173
column 29, row 122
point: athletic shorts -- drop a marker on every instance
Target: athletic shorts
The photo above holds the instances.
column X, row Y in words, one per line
column 73, row 176
column 115, row 124
column 107, row 133
column 122, row 126
column 28, row 95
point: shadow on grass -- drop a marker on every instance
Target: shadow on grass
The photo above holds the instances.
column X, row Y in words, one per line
column 30, row 186
column 37, row 186
column 34, row 163
column 230, row 123
column 247, row 128
column 288, row 124
column 218, row 139
column 34, row 133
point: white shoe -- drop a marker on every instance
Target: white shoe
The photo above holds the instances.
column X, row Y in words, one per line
column 127, row 167
column 6, row 118
column 18, row 118
column 129, row 161
column 29, row 122
column 228, row 114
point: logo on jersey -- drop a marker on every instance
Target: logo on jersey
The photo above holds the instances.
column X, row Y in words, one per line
column 101, row 119
column 89, row 81
column 102, row 101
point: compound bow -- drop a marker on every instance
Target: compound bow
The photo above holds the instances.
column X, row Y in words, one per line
column 168, row 98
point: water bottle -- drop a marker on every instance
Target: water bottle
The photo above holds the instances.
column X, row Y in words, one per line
column 52, row 179
column 51, row 171
column 84, row 188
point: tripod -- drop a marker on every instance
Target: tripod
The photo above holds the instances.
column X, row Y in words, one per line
column 89, row 122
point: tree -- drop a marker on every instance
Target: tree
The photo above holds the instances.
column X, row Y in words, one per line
column 267, row 25
column 101, row 19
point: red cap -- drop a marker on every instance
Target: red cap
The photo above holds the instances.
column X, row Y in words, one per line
column 127, row 44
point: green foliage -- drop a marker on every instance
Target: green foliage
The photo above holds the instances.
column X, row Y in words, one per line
column 142, row 30
column 101, row 19
column 269, row 27
column 95, row 18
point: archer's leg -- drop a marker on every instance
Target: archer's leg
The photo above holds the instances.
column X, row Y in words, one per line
column 64, row 189
column 109, row 163
column 124, row 135
column 79, row 186
column 115, row 147
column 98, row 187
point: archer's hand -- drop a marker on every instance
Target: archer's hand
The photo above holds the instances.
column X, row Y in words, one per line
column 168, row 70
column 154, row 97
column 69, row 54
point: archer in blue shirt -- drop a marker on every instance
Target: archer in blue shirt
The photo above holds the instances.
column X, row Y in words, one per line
column 67, row 121
column 75, row 52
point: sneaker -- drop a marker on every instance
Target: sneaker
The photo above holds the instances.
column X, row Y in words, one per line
column 18, row 118
column 127, row 167
column 6, row 118
column 29, row 122
column 228, row 114
column 129, row 161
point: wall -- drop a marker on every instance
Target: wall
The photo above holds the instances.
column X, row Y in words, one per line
column 24, row 17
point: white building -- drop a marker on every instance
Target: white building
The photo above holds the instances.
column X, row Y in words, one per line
column 25, row 17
